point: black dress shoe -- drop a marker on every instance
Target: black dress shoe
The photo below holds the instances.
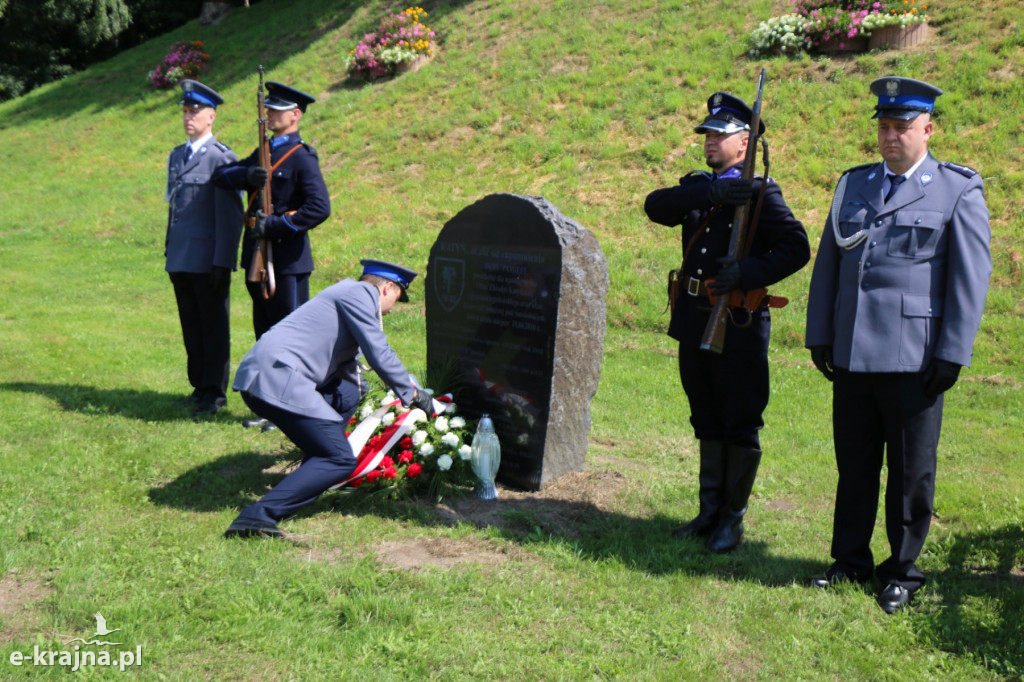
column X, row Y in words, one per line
column 894, row 597
column 252, row 423
column 249, row 528
column 834, row 576
column 203, row 409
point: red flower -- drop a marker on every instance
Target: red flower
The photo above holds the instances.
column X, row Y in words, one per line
column 405, row 457
column 373, row 475
column 414, row 470
column 374, row 440
column 356, row 482
column 405, row 443
column 387, row 462
column 390, row 472
column 352, row 420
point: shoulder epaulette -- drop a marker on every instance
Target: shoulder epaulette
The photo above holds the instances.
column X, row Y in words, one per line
column 863, row 166
column 221, row 146
column 965, row 171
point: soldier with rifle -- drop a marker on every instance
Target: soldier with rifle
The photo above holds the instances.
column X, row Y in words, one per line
column 738, row 236
column 299, row 202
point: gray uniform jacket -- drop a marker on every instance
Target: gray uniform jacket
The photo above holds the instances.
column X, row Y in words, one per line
column 204, row 222
column 914, row 288
column 317, row 343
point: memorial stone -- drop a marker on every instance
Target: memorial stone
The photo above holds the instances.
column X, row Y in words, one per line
column 515, row 304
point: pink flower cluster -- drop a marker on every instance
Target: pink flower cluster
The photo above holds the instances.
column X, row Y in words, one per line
column 399, row 38
column 185, row 60
column 835, row 20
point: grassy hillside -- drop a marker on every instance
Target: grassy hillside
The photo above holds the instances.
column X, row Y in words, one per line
column 112, row 500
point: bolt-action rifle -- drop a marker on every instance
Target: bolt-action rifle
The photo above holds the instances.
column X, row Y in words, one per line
column 747, row 301
column 261, row 267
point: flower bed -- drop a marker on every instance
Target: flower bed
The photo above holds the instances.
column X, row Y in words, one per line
column 400, row 42
column 185, row 60
column 817, row 26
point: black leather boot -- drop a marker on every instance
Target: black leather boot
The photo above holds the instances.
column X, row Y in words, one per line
column 712, row 470
column 740, row 471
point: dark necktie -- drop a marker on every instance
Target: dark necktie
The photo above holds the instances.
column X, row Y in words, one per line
column 188, row 152
column 894, row 184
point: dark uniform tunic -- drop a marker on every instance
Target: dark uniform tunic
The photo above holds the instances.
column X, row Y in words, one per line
column 301, row 202
column 727, row 392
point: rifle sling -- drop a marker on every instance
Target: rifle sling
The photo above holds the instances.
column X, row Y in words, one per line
column 252, row 197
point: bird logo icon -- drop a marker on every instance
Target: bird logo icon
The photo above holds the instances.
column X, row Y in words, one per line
column 101, row 631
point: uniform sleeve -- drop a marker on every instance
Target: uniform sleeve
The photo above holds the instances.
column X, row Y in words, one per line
column 780, row 245
column 230, row 218
column 967, row 276
column 232, row 175
column 315, row 207
column 669, row 206
column 359, row 313
column 821, row 298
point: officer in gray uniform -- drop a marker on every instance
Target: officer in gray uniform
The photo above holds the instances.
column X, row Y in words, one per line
column 303, row 376
column 204, row 224
column 895, row 302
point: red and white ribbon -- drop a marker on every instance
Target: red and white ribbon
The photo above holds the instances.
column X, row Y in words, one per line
column 369, row 459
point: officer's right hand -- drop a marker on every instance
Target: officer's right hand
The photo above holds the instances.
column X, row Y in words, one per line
column 821, row 356
column 255, row 177
column 259, row 225
column 423, row 401
column 731, row 191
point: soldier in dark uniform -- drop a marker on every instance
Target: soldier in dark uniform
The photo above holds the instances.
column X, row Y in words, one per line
column 727, row 392
column 896, row 297
column 300, row 203
column 204, row 223
column 303, row 375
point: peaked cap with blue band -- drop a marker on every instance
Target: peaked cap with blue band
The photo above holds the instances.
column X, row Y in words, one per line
column 195, row 94
column 401, row 276
column 727, row 115
column 283, row 98
column 903, row 98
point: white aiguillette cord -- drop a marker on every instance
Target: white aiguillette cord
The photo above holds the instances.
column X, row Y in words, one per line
column 837, row 201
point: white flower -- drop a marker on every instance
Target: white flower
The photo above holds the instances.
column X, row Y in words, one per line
column 367, row 410
column 419, row 438
column 441, row 424
column 444, row 462
column 416, row 416
column 450, row 409
column 457, row 423
column 451, row 440
column 388, row 419
column 427, row 450
column 465, row 452
column 390, row 397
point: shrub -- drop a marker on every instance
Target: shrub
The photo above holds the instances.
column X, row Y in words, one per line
column 185, row 60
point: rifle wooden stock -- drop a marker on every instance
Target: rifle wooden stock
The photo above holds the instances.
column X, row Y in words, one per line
column 714, row 333
column 261, row 267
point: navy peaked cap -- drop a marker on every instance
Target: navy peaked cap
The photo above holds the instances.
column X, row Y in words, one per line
column 398, row 274
column 727, row 114
column 282, row 98
column 903, row 98
column 195, row 94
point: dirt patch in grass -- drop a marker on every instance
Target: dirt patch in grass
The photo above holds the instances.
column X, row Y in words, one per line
column 19, row 610
column 418, row 553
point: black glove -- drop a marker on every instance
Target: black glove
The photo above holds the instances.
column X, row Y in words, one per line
column 220, row 280
column 423, row 401
column 255, row 177
column 259, row 225
column 727, row 279
column 939, row 376
column 821, row 356
column 731, row 191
